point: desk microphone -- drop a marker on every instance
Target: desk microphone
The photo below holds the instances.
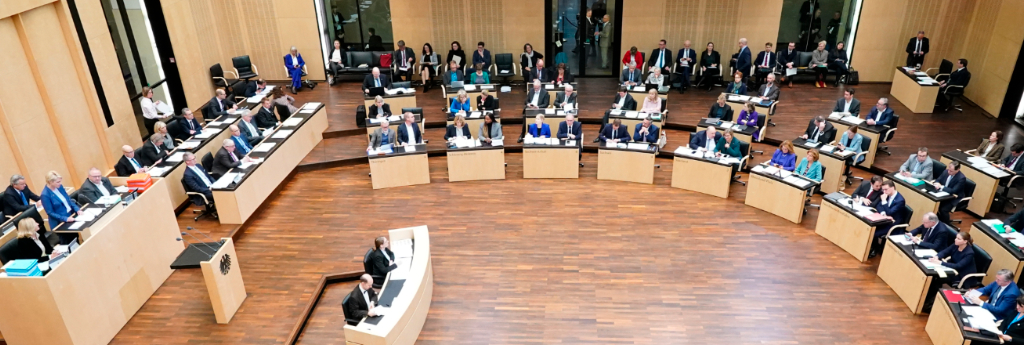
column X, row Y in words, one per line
column 197, row 247
column 207, row 244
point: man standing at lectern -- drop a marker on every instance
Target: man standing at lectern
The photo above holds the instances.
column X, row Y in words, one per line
column 916, row 49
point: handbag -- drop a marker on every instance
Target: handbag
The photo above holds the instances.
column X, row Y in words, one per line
column 853, row 78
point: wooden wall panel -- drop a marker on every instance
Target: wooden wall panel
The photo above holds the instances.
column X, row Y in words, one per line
column 990, row 79
column 877, row 44
column 195, row 73
column 71, row 109
column 449, row 24
column 643, row 24
column 418, row 26
column 521, row 25
column 30, row 126
column 10, row 8
column 296, row 26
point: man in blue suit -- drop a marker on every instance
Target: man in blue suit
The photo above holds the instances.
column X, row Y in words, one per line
column 880, row 115
column 196, row 178
column 934, row 234
column 891, row 205
column 630, row 76
column 646, row 132
column 571, row 130
column 687, row 58
column 294, row 63
column 741, row 61
column 1002, row 296
column 409, row 132
column 241, row 140
column 951, row 181
column 189, row 125
column 615, row 133
column 706, row 139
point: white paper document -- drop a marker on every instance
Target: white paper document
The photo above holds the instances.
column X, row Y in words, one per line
column 790, row 72
column 616, row 112
column 158, row 171
column 256, row 98
column 264, row 147
column 632, row 114
column 497, row 142
column 291, row 122
column 190, row 144
column 796, row 181
column 939, row 194
column 921, row 253
column 311, row 105
column 549, row 86
column 549, row 111
column 76, row 225
column 638, row 146
column 225, row 180
column 176, row 157
column 85, row 217
column 469, row 87
column 853, row 120
column 475, row 115
column 209, row 132
column 827, row 148
column 410, row 148
column 281, row 134
column 900, row 239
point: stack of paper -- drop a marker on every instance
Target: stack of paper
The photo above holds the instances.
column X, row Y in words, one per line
column 549, row 111
column 292, row 122
column 311, row 105
column 981, row 318
column 158, row 171
column 264, row 147
column 475, row 115
column 632, row 114
column 796, row 181
column 615, row 111
column 639, row 88
column 827, row 148
column 757, row 168
column 464, row 143
column 729, row 160
column 549, row 87
column 487, row 87
column 410, row 148
column 638, row 146
column 209, row 132
column 225, row 180
column 256, row 98
column 176, row 157
column 469, row 87
column 924, row 253
column 726, row 124
column 853, row 120
column 935, row 267
column 497, row 142
column 281, row 134
column 938, row 194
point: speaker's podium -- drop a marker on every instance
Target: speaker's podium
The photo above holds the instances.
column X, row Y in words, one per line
column 221, row 272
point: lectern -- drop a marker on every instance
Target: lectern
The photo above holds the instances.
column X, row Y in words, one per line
column 221, row 272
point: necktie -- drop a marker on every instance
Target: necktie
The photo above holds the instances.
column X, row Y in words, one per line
column 927, row 233
column 661, row 58
column 403, row 58
column 134, row 164
column 202, row 175
column 765, row 60
column 869, row 193
column 233, row 158
column 995, row 298
column 1014, row 163
column 950, row 178
column 376, row 82
column 613, row 132
column 23, row 199
column 918, row 50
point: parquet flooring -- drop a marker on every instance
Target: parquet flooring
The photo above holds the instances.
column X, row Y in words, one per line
column 557, row 261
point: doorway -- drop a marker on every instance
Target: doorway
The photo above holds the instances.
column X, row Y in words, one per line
column 573, row 40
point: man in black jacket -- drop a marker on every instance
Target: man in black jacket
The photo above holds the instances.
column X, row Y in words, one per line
column 219, row 105
column 128, row 165
column 374, row 79
column 916, row 49
column 623, row 101
column 955, row 85
column 787, row 58
column 869, row 191
column 403, row 58
column 361, row 301
column 95, row 187
column 661, row 58
column 153, row 152
column 935, row 235
column 820, row 131
column 265, row 117
column 382, row 260
column 19, row 198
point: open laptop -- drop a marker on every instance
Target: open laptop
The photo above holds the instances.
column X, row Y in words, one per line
column 60, row 258
column 458, row 84
column 376, row 91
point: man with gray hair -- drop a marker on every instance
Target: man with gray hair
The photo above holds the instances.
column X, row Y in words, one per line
column 374, row 79
column 404, row 56
column 196, row 177
column 916, row 49
column 361, row 301
column 19, row 198
column 631, row 76
column 1002, row 296
column 741, row 61
column 934, row 234
column 227, row 159
column 295, row 65
column 880, row 115
column 153, row 152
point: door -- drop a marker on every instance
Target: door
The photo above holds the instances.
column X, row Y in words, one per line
column 572, row 27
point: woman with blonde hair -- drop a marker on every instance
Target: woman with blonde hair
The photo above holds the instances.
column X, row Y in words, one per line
column 652, row 103
column 58, row 205
column 458, row 129
column 819, row 62
column 810, row 167
column 485, row 101
column 29, row 245
column 161, row 128
column 379, row 109
column 784, row 157
column 460, row 103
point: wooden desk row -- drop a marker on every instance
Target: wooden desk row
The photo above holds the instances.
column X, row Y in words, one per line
column 869, row 132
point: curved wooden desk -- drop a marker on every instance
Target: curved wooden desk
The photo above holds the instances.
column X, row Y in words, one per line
column 408, row 311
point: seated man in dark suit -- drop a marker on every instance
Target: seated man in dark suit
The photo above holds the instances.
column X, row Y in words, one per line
column 382, row 260
column 1016, row 221
column 250, row 129
column 615, row 133
column 374, row 79
column 128, row 165
column 880, row 115
column 19, row 198
column 869, row 192
column 769, row 90
column 950, row 181
column 540, row 73
column 570, row 129
column 646, row 132
column 706, row 139
column 848, row 104
column 219, row 105
column 153, row 151
column 764, row 63
column 189, row 125
column 537, row 98
column 453, row 74
column 242, row 146
column 265, row 117
column 820, row 131
column 564, row 98
column 361, row 301
column 623, row 101
column 409, row 131
column 226, row 158
column 95, row 187
column 955, row 85
column 1013, row 161
column 631, row 76
column 404, row 58
column 255, row 87
column 891, row 205
column 196, row 177
column 934, row 234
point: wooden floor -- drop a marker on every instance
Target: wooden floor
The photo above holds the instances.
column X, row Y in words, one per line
column 557, row 261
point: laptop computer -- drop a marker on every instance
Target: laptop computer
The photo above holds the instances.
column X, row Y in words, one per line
column 376, row 91
column 458, row 83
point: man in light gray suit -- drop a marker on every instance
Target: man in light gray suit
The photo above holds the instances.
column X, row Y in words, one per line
column 769, row 90
column 382, row 136
column 918, row 166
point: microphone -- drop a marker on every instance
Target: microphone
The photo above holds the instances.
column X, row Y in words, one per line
column 200, row 241
column 197, row 247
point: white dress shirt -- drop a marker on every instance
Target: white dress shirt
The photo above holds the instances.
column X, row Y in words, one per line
column 201, row 175
column 101, row 188
column 846, row 108
column 148, row 108
column 410, row 135
column 536, row 98
column 336, row 56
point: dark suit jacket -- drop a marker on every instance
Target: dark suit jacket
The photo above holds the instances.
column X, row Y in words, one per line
column 629, row 104
column 195, row 183
column 368, row 83
column 560, row 97
column 884, row 120
column 1017, row 168
column 215, row 111
column 13, row 204
column 124, row 168
column 485, row 59
column 633, row 76
column 1014, row 330
column 693, row 59
column 397, row 58
column 376, row 43
column 955, row 186
column 651, row 137
column 150, row 153
column 90, row 192
column 854, row 106
column 355, row 307
column 446, row 76
column 26, row 248
column 540, row 73
column 912, row 45
column 377, row 138
column 864, row 188
column 827, row 137
column 402, row 135
column 542, row 102
column 785, row 56
column 195, row 126
column 450, row 132
column 566, row 77
column 265, row 118
column 938, row 239
column 760, row 59
column 700, row 139
column 1016, row 221
column 742, row 90
column 773, row 93
column 743, row 62
column 894, row 209
column 372, row 113
column 252, row 137
column 563, row 130
column 485, row 105
column 726, row 116
column 379, row 265
column 959, row 77
column 222, row 162
column 653, row 59
column 620, row 134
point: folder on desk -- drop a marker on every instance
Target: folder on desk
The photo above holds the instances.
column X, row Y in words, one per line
column 953, row 296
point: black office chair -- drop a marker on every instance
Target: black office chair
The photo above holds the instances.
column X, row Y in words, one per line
column 761, row 129
column 8, row 250
column 907, row 213
column 982, row 261
column 954, row 92
column 745, row 151
column 504, row 68
column 937, row 169
column 244, row 69
column 175, row 131
column 378, row 281
column 418, row 112
column 207, row 162
column 348, row 318
column 888, row 135
column 969, row 187
column 865, row 146
column 401, row 85
column 220, row 81
column 199, row 199
column 945, row 68
column 283, row 112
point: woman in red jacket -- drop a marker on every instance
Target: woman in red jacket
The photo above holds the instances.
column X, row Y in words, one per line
column 633, row 56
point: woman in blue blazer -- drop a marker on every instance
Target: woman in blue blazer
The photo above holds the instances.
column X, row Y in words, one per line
column 961, row 258
column 58, row 205
column 809, row 167
column 539, row 129
column 460, row 102
column 737, row 87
